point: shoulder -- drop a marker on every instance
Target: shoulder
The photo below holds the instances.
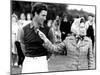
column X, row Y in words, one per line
column 87, row 39
column 26, row 26
column 70, row 37
column 87, row 22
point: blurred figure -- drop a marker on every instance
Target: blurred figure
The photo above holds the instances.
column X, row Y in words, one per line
column 90, row 29
column 57, row 32
column 54, row 36
column 65, row 27
column 17, row 51
column 22, row 22
column 49, row 23
column 20, row 53
column 15, row 29
column 50, row 35
column 54, row 32
column 94, row 23
column 29, row 17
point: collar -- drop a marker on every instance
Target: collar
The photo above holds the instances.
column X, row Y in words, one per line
column 34, row 24
column 78, row 36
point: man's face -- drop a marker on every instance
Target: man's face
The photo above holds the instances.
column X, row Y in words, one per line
column 41, row 17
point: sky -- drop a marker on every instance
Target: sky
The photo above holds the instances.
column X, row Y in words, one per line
column 90, row 9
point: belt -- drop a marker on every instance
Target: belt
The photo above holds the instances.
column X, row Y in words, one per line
column 40, row 57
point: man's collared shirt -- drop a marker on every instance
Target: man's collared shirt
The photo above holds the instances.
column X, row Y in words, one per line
column 32, row 42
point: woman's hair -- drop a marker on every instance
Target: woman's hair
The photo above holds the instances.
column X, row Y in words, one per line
column 38, row 7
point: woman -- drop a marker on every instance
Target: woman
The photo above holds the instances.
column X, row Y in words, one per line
column 79, row 51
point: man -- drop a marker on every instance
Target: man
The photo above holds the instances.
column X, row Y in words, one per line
column 79, row 50
column 35, row 53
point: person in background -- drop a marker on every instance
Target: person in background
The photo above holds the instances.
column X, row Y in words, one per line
column 80, row 54
column 55, row 31
column 29, row 16
column 65, row 27
column 15, row 29
column 22, row 21
column 49, row 23
column 90, row 29
column 35, row 54
column 94, row 23
column 20, row 53
column 16, row 49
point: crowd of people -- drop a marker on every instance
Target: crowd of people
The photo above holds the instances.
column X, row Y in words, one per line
column 34, row 41
column 17, row 24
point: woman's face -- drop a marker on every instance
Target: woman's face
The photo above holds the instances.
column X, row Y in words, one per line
column 22, row 16
column 82, row 29
column 14, row 19
column 28, row 16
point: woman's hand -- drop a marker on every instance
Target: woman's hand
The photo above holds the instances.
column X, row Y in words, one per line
column 42, row 35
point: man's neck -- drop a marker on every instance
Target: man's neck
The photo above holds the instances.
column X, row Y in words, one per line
column 36, row 24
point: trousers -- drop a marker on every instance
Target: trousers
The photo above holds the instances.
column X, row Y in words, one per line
column 35, row 64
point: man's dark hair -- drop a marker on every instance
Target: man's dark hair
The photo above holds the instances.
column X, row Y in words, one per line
column 38, row 7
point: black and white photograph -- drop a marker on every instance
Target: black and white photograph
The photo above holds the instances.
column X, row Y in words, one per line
column 52, row 37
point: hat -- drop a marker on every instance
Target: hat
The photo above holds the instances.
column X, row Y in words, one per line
column 78, row 27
